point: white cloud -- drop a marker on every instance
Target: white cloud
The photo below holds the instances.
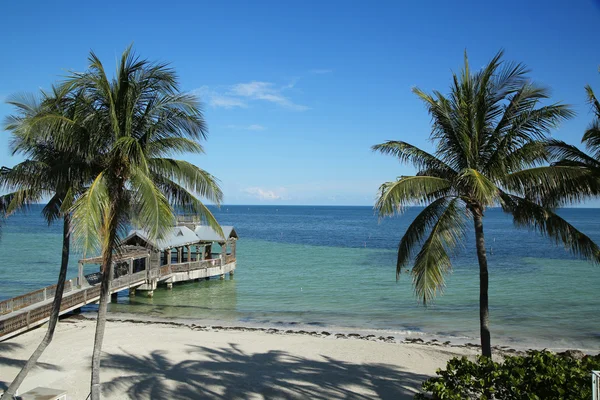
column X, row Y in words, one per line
column 266, row 91
column 214, row 99
column 240, row 94
column 252, row 127
column 321, row 71
column 217, row 100
column 264, row 194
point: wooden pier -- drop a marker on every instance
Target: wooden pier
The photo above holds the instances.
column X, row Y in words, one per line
column 27, row 311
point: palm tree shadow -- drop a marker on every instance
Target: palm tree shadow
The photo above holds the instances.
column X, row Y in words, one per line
column 229, row 373
column 13, row 362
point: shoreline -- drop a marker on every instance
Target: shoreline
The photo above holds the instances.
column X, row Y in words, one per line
column 335, row 332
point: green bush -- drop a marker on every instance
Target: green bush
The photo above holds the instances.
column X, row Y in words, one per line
column 538, row 375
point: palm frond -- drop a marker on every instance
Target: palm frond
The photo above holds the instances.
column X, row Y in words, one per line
column 420, row 159
column 89, row 212
column 409, row 190
column 553, row 185
column 528, row 214
column 591, row 138
column 593, row 100
column 183, row 200
column 153, row 211
column 432, row 262
column 560, row 151
column 417, row 230
column 190, row 176
column 164, row 146
column 19, row 200
column 52, row 209
column 477, row 187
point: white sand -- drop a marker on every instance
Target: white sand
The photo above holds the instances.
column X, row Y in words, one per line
column 172, row 362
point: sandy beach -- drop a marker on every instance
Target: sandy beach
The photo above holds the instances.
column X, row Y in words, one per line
column 159, row 361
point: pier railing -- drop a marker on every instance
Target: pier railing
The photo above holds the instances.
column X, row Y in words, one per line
column 37, row 296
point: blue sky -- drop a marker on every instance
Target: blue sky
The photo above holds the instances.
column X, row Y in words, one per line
column 295, row 93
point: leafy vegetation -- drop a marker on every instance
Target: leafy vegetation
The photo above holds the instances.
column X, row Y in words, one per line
column 538, row 375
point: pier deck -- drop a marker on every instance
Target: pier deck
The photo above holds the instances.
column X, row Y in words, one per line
column 27, row 311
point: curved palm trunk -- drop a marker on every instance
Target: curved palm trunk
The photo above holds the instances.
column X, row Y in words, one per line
column 107, row 256
column 484, row 314
column 60, row 288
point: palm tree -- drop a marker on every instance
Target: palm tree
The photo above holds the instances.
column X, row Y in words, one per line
column 48, row 172
column 489, row 137
column 140, row 118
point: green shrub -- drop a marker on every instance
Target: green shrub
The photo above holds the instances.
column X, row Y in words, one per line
column 538, row 375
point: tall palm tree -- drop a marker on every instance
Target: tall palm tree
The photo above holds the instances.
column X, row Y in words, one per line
column 48, row 172
column 141, row 118
column 489, row 137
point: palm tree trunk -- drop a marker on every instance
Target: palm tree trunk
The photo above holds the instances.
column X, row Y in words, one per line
column 60, row 288
column 484, row 313
column 107, row 255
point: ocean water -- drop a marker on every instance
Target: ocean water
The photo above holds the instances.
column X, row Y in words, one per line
column 334, row 267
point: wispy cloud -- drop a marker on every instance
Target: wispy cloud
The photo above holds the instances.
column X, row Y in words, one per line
column 265, row 194
column 215, row 99
column 321, row 71
column 266, row 91
column 240, row 94
column 251, row 127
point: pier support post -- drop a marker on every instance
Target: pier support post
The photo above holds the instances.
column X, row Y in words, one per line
column 114, row 297
column 79, row 274
column 222, row 276
column 223, row 253
column 131, row 292
column 231, row 272
column 170, row 285
column 150, row 293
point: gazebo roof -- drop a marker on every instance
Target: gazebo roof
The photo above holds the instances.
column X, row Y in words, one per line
column 207, row 234
column 179, row 236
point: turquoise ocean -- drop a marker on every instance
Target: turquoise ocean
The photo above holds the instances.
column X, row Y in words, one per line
column 333, row 268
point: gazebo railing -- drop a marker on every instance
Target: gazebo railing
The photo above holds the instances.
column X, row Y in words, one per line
column 193, row 265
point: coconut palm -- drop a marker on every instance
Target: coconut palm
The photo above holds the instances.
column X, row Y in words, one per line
column 140, row 119
column 488, row 134
column 48, row 172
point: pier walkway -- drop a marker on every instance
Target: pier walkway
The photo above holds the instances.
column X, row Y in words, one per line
column 27, row 311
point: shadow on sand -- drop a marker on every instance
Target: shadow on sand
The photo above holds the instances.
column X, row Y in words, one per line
column 6, row 348
column 229, row 373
